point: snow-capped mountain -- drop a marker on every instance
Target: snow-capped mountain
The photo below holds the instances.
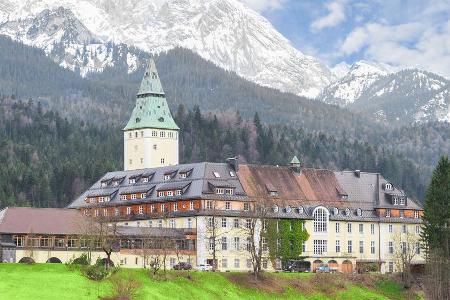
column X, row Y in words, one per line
column 225, row 32
column 349, row 87
column 408, row 96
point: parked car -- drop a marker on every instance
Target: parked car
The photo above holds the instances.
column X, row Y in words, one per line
column 182, row 266
column 203, row 267
column 297, row 266
column 323, row 268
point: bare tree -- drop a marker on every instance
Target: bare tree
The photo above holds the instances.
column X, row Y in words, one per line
column 405, row 250
column 255, row 234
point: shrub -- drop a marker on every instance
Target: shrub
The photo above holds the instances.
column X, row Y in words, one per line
column 96, row 273
column 83, row 260
column 124, row 288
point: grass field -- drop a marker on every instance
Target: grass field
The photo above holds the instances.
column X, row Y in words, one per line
column 44, row 281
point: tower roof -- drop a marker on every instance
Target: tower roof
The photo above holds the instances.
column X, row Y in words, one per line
column 151, row 110
column 295, row 160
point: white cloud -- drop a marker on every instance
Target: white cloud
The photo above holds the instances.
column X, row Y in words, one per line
column 336, row 15
column 411, row 45
column 264, row 5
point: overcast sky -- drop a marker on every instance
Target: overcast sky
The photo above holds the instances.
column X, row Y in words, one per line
column 411, row 33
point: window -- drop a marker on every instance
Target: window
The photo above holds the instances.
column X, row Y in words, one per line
column 128, row 210
column 417, row 229
column 189, row 223
column 236, row 243
column 236, row 223
column 170, row 193
column 416, row 214
column 320, row 246
column 359, row 212
column 211, row 244
column 141, row 209
column 154, row 133
column 391, row 267
column 388, row 187
column 229, row 191
column 372, row 228
column 144, row 179
column 96, row 213
column 395, row 200
column 372, row 247
column 248, row 223
column 224, row 263
column 116, row 211
column 264, row 244
column 220, row 191
column 132, row 181
column 338, row 246
column 160, row 223
column 224, row 243
column 152, row 208
column 160, row 194
column 361, row 247
column 388, row 213
column 391, row 247
column 178, row 192
column 162, row 134
column 237, row 262
column 320, row 219
column 183, row 175
column 175, row 206
column 249, row 263
column 210, row 222
column 162, row 160
column 209, row 204
column 150, row 223
column 404, row 230
column 172, row 224
column 232, row 174
column 417, row 247
column 391, row 228
column 246, row 206
column 104, row 184
column 167, row 176
column 402, row 214
column 224, row 222
column 403, row 247
column 72, row 243
column 216, row 174
column 100, row 199
column 133, row 196
column 191, row 205
column 130, row 135
column 338, row 227
column 361, row 228
column 105, row 212
column 349, row 227
column 123, row 197
column 349, row 247
column 136, row 134
column 402, row 201
column 143, row 195
column 303, row 246
column 163, row 207
column 228, row 205
column 170, row 134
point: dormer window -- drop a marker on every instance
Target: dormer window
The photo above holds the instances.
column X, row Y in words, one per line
column 388, row 213
column 216, row 174
column 132, row 181
column 145, row 179
column 123, row 197
column 395, row 200
column 178, row 192
column 273, row 193
column 402, row 201
column 220, row 191
column 100, row 199
column 107, row 198
column 167, row 177
column 347, row 212
column 388, row 187
column 115, row 183
column 275, row 208
column 133, row 196
column 301, row 210
column 232, row 174
column 183, row 175
column 359, row 212
column 288, row 209
column 160, row 194
column 104, row 183
column 143, row 195
column 170, row 193
column 229, row 191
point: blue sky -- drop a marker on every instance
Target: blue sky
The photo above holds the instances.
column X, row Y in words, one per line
column 412, row 33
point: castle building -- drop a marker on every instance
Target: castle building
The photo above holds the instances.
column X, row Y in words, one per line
column 354, row 219
column 151, row 135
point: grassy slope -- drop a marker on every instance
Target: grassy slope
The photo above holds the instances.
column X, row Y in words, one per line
column 57, row 282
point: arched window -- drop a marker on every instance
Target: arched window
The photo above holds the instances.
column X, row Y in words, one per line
column 320, row 215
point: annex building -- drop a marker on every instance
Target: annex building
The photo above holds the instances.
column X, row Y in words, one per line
column 353, row 218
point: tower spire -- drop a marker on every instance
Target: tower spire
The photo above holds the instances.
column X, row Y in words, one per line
column 150, row 84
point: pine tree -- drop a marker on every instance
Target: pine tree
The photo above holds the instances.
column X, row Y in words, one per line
column 437, row 207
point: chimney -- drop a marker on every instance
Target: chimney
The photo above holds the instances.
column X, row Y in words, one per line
column 358, row 173
column 233, row 163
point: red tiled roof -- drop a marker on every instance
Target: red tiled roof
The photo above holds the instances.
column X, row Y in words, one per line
column 41, row 220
